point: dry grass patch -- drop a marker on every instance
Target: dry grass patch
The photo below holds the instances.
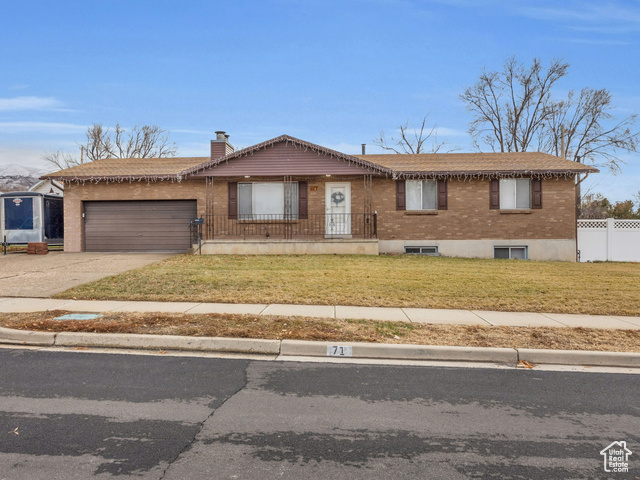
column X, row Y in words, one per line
column 302, row 328
column 397, row 281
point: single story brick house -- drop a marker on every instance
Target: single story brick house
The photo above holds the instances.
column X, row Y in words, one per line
column 287, row 195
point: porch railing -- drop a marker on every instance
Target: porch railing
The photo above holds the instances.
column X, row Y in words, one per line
column 288, row 227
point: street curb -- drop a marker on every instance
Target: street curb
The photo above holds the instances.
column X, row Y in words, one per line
column 167, row 342
column 400, row 351
column 26, row 337
column 302, row 348
column 575, row 357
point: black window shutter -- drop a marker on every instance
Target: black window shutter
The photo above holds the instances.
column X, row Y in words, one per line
column 233, row 200
column 303, row 199
column 442, row 194
column 401, row 196
column 536, row 193
column 494, row 194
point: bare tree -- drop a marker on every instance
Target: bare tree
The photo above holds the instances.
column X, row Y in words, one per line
column 511, row 107
column 60, row 160
column 584, row 130
column 412, row 140
column 146, row 141
column 514, row 111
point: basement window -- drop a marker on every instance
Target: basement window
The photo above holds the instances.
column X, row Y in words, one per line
column 429, row 250
column 516, row 253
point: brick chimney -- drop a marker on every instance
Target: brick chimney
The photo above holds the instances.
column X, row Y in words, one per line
column 220, row 146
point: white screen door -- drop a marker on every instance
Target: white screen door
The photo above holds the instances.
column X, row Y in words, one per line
column 338, row 209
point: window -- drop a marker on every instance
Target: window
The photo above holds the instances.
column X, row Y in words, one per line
column 515, row 193
column 519, row 253
column 432, row 250
column 422, row 194
column 18, row 213
column 267, row 201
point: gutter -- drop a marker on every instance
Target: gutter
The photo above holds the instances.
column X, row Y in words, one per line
column 337, row 351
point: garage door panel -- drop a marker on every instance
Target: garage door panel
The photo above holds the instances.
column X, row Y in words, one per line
column 161, row 225
column 144, row 235
column 155, row 226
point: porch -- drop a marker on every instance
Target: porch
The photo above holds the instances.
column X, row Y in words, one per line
column 353, row 233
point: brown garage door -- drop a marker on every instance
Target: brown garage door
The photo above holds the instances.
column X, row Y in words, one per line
column 142, row 226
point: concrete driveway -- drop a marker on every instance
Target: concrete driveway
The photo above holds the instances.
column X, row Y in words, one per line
column 23, row 275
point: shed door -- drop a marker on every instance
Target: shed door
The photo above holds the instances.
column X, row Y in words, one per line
column 142, row 226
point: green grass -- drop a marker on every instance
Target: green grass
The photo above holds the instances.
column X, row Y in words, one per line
column 405, row 281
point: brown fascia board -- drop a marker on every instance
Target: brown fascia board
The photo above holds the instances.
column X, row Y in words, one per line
column 112, row 178
column 285, row 138
column 494, row 173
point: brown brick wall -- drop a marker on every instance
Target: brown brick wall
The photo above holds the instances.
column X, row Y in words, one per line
column 75, row 194
column 469, row 218
column 316, row 202
column 316, row 198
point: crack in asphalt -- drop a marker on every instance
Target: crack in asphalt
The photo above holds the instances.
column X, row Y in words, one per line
column 201, row 424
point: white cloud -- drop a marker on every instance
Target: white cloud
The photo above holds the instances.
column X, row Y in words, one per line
column 586, row 41
column 439, row 132
column 603, row 17
column 21, row 156
column 41, row 127
column 449, row 132
column 29, row 103
column 191, row 132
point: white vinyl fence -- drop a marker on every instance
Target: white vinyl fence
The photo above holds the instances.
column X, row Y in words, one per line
column 609, row 239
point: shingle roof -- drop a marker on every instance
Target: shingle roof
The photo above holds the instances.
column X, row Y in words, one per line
column 124, row 169
column 395, row 165
column 478, row 163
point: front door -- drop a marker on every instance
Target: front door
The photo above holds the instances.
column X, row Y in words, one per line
column 338, row 209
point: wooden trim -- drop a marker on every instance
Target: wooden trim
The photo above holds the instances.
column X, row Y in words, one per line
column 401, row 195
column 303, row 200
column 233, row 200
column 536, row 193
column 516, row 211
column 494, row 194
column 442, row 194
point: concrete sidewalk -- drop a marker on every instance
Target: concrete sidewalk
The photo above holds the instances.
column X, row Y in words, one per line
column 413, row 315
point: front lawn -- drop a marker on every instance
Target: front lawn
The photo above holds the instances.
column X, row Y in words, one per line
column 399, row 281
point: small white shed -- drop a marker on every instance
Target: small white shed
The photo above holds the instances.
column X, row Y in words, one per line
column 48, row 187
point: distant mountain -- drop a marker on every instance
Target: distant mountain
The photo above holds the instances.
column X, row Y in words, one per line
column 18, row 177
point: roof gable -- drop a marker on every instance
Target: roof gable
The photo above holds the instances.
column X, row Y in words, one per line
column 285, row 155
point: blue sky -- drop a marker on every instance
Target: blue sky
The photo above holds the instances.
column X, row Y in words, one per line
column 331, row 72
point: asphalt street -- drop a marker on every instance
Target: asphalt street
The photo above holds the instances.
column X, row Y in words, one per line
column 78, row 415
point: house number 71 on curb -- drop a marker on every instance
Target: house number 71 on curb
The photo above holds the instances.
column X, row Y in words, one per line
column 339, row 351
